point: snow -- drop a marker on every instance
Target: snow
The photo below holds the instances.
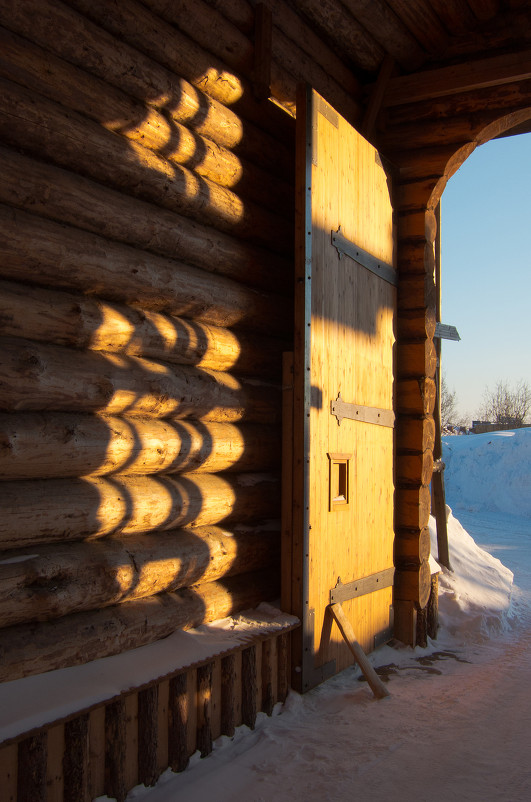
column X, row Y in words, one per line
column 458, row 720
column 31, row 702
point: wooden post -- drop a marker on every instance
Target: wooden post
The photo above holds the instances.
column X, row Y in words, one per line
column 249, row 686
column 76, row 760
column 178, row 715
column 204, row 709
column 115, row 740
column 148, row 700
column 32, row 760
column 376, row 684
column 228, row 696
column 283, row 642
column 433, row 608
column 268, row 701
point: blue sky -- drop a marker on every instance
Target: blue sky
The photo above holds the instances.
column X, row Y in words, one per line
column 486, row 270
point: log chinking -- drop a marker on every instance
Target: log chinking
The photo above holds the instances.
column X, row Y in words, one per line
column 141, row 185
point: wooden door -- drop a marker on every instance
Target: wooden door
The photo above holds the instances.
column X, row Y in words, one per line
column 343, row 467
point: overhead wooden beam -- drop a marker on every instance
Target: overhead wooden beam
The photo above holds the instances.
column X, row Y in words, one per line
column 376, row 97
column 457, row 78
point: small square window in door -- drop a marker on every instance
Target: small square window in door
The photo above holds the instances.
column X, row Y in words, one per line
column 339, row 481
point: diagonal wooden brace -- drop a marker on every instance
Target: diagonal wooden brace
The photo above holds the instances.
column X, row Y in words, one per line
column 376, row 684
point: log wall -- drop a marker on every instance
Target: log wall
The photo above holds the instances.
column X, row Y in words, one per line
column 146, row 218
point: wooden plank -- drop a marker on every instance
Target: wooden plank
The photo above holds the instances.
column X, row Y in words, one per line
column 148, row 729
column 463, row 77
column 55, row 773
column 423, row 23
column 162, row 719
column 76, row 759
column 215, row 715
column 115, row 749
column 178, row 722
column 131, row 741
column 97, row 752
column 204, row 709
column 267, row 676
column 228, row 695
column 8, row 772
column 286, row 555
column 283, row 644
column 32, row 768
column 249, row 686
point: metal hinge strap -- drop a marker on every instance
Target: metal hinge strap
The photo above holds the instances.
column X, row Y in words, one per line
column 360, row 587
column 380, row 268
column 342, row 409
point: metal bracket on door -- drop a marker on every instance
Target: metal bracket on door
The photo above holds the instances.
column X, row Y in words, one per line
column 380, row 268
column 342, row 409
column 360, row 587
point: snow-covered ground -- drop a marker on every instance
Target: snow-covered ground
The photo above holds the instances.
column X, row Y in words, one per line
column 457, row 724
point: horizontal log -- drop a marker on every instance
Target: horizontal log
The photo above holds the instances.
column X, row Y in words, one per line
column 37, row 69
column 57, row 445
column 416, row 323
column 132, row 22
column 115, row 62
column 413, row 507
column 415, row 396
column 416, row 358
column 416, row 258
column 35, row 376
column 416, row 468
column 37, row 511
column 415, row 434
column 417, row 225
column 501, row 98
column 62, row 579
column 28, row 649
column 67, row 258
column 413, row 584
column 412, row 547
column 432, row 161
column 416, row 195
column 416, row 292
column 61, row 318
column 65, row 197
column 453, row 79
column 86, row 147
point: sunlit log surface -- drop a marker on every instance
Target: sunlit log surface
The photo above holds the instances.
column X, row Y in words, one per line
column 86, row 147
column 59, row 445
column 37, row 376
column 27, row 649
column 126, row 68
column 65, row 578
column 59, row 510
column 67, row 258
column 74, row 320
column 38, row 69
column 63, row 196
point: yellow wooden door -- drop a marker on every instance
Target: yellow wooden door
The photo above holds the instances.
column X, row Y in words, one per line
column 343, row 459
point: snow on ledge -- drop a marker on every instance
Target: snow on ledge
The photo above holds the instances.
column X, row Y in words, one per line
column 33, row 702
